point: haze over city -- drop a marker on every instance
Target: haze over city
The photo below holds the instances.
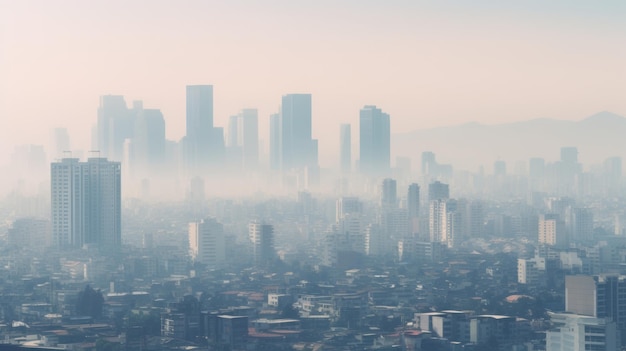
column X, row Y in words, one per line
column 428, row 64
column 312, row 176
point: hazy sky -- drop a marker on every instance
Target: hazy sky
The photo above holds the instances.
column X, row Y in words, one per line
column 426, row 63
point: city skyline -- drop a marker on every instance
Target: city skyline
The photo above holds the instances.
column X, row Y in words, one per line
column 414, row 77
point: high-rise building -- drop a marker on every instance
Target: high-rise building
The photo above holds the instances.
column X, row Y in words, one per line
column 374, row 141
column 262, row 237
column 413, row 200
column 298, row 148
column 148, row 145
column 438, row 191
column 389, row 194
column 248, row 137
column 413, row 207
column 347, row 205
column 86, row 203
column 575, row 332
column 600, row 296
column 115, row 125
column 552, row 230
column 345, row 148
column 275, row 138
column 437, row 220
column 429, row 163
column 207, row 242
column 199, row 137
column 582, row 224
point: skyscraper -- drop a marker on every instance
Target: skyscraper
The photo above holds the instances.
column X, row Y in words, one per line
column 262, row 237
column 248, row 137
column 86, row 203
column 199, row 126
column 207, row 242
column 375, row 141
column 413, row 201
column 345, row 148
column 389, row 194
column 148, row 146
column 115, row 125
column 298, row 148
column 600, row 296
column 275, row 138
column 438, row 191
column 575, row 332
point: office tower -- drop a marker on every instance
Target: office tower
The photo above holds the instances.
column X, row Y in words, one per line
column 437, row 220
column 413, row 207
column 61, row 141
column 275, row 137
column 347, row 205
column 86, row 203
column 148, row 145
column 438, row 191
column 429, row 163
column 612, row 175
column 552, row 230
column 199, row 137
column 115, row 125
column 389, row 195
column 375, row 141
column 262, row 237
column 413, row 200
column 575, row 332
column 582, row 224
column 349, row 234
column 600, row 296
column 207, row 243
column 298, row 149
column 445, row 222
column 473, row 217
column 345, row 148
column 248, row 137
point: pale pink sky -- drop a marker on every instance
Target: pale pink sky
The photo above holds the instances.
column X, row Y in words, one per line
column 428, row 63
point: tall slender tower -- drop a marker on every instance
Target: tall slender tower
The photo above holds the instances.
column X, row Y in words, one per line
column 375, row 141
column 275, row 141
column 262, row 238
column 345, row 148
column 248, row 137
column 86, row 203
column 298, row 148
column 198, row 139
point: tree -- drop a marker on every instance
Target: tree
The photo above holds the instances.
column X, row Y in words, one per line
column 90, row 302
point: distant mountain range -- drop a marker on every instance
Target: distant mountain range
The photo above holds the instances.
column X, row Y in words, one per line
column 471, row 145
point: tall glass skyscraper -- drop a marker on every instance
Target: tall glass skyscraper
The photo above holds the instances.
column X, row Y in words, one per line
column 199, row 125
column 298, row 149
column 375, row 141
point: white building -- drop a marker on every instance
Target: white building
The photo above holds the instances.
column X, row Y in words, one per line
column 206, row 242
column 86, row 203
column 574, row 332
column 262, row 237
